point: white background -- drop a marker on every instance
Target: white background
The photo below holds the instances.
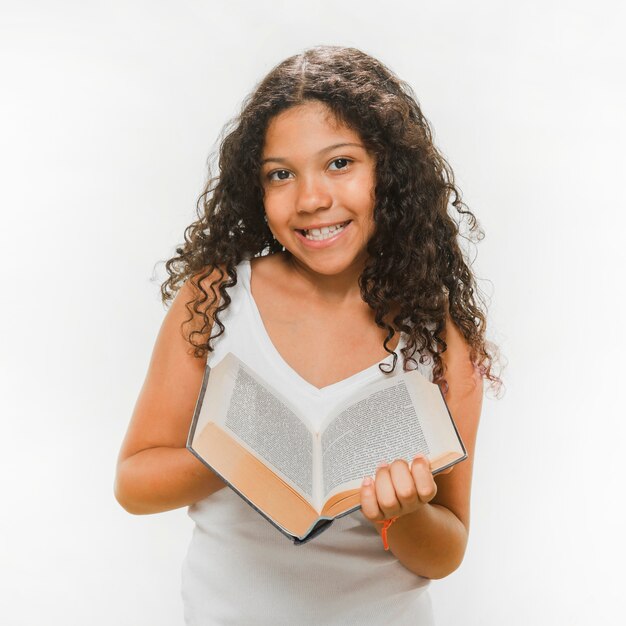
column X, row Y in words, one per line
column 108, row 114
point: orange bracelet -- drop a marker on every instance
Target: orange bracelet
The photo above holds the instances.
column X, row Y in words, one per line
column 383, row 532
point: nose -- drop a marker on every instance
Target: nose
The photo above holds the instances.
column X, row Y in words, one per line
column 313, row 194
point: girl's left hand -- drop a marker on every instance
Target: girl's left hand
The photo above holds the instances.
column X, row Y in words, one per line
column 398, row 489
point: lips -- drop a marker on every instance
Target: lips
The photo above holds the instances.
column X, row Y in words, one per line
column 308, row 230
column 328, row 241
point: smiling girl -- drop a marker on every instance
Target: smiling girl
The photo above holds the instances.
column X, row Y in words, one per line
column 324, row 253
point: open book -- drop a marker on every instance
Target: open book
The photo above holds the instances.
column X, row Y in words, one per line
column 300, row 479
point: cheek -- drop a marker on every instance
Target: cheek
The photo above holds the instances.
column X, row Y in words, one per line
column 361, row 193
column 363, row 201
column 276, row 210
column 270, row 203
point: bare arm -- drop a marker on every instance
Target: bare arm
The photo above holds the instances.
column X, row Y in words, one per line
column 155, row 471
column 430, row 535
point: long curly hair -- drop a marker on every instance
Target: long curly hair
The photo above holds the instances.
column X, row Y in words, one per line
column 416, row 267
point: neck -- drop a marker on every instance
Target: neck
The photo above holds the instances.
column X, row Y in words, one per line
column 337, row 290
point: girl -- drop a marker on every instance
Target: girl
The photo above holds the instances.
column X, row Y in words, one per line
column 323, row 251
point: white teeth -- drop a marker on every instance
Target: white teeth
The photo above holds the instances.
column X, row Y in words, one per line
column 317, row 234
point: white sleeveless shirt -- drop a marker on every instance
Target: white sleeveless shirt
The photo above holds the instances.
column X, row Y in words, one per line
column 239, row 569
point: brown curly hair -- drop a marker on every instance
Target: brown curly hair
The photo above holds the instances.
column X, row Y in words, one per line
column 416, row 266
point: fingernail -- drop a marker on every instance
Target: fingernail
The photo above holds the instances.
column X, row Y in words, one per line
column 367, row 481
column 382, row 464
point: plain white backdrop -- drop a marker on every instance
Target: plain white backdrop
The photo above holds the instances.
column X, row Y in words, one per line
column 107, row 116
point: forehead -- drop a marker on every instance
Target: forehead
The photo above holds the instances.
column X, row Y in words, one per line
column 311, row 123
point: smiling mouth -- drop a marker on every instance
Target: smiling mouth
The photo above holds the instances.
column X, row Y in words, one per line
column 325, row 232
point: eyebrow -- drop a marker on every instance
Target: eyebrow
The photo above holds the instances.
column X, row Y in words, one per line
column 327, row 149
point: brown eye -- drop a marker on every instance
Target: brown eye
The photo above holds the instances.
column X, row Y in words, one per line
column 280, row 174
column 342, row 163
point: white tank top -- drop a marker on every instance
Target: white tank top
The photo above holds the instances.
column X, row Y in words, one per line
column 239, row 569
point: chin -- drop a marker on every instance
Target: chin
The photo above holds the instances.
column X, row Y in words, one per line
column 330, row 266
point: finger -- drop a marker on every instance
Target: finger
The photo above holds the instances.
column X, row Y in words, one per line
column 386, row 494
column 424, row 480
column 404, row 485
column 369, row 503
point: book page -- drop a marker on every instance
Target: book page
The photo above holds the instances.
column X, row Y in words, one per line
column 382, row 426
column 271, row 430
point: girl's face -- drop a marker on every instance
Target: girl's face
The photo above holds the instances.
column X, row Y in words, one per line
column 317, row 173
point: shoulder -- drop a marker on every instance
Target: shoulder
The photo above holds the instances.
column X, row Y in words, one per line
column 459, row 367
column 465, row 382
column 196, row 301
column 205, row 281
column 191, row 312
